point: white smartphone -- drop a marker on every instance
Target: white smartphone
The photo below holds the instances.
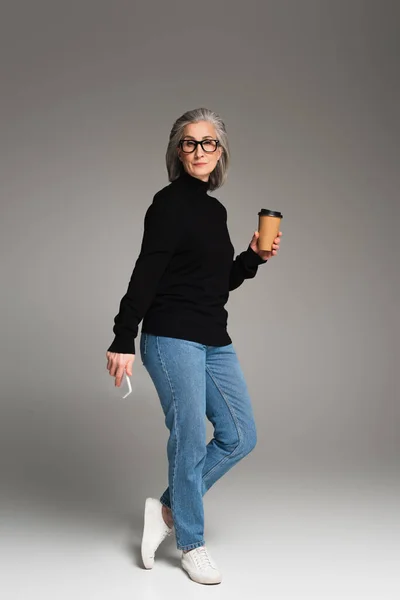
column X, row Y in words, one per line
column 128, row 381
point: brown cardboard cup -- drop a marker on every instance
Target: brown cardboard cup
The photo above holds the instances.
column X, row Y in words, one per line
column 269, row 222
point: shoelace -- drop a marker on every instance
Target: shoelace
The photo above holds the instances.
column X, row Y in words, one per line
column 201, row 558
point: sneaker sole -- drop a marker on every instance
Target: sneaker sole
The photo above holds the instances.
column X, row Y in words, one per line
column 148, row 562
column 193, row 578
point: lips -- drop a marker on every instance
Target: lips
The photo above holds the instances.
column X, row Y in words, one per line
column 199, row 164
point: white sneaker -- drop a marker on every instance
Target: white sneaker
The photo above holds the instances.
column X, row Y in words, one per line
column 200, row 566
column 154, row 530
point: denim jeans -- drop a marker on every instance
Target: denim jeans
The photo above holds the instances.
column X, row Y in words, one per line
column 194, row 381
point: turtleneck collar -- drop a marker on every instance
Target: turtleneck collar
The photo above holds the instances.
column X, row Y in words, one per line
column 193, row 182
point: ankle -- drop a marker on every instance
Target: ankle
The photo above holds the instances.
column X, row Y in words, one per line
column 167, row 515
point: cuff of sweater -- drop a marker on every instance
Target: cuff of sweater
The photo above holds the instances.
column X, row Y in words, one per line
column 123, row 345
column 252, row 258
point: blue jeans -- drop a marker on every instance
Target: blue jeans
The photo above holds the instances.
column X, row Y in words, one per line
column 193, row 381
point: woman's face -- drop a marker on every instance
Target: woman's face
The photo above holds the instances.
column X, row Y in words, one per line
column 199, row 163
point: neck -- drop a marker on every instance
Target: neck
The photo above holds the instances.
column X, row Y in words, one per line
column 193, row 182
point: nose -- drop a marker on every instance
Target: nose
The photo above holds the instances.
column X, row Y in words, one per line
column 199, row 151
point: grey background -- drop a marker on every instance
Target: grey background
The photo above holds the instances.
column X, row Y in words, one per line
column 309, row 92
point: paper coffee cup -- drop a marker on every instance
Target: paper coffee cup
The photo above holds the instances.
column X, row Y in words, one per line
column 269, row 222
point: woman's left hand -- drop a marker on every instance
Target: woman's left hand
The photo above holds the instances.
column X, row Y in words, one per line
column 265, row 254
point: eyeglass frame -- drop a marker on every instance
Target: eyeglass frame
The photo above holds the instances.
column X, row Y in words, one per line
column 201, row 144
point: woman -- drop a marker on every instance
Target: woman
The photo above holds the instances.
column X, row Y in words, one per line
column 179, row 286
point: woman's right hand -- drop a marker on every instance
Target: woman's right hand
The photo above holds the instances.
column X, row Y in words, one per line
column 119, row 363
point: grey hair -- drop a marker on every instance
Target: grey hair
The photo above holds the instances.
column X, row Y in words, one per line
column 174, row 165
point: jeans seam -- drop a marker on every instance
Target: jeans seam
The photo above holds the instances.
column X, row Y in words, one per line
column 225, row 458
column 145, row 343
column 176, row 428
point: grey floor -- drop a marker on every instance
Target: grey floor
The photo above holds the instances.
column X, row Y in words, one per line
column 298, row 537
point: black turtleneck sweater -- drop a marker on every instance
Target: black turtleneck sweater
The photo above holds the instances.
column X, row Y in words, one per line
column 185, row 270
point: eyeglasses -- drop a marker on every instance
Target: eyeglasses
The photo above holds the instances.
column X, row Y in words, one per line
column 189, row 146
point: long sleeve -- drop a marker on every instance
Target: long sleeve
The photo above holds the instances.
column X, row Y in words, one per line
column 244, row 266
column 160, row 238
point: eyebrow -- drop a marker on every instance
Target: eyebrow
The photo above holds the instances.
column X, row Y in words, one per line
column 203, row 138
